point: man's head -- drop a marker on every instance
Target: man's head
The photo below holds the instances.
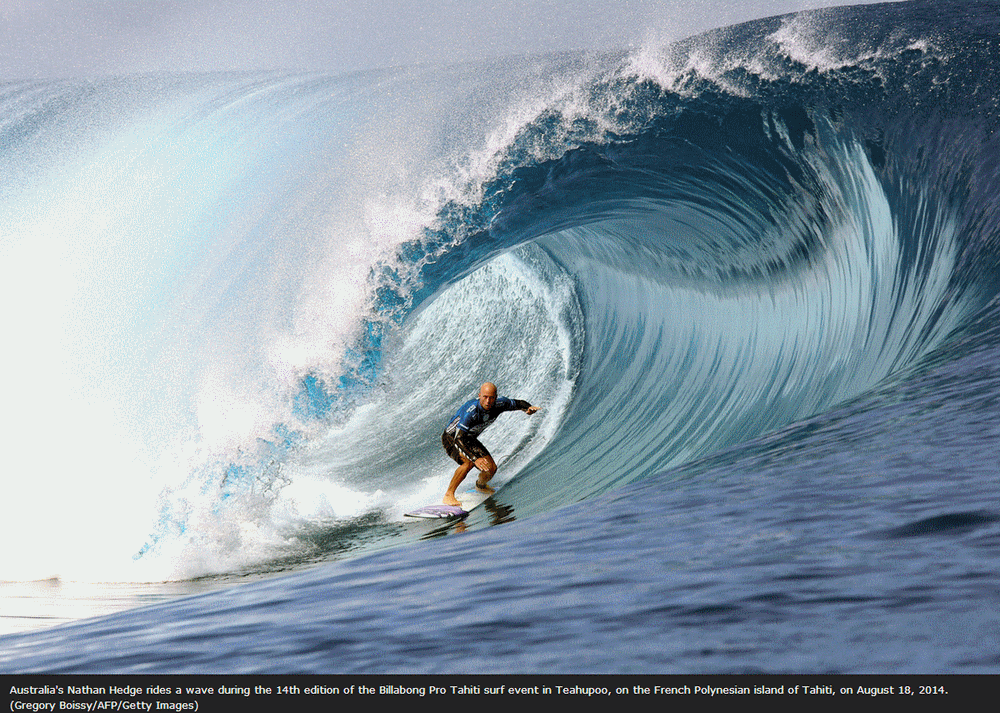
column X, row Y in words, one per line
column 487, row 395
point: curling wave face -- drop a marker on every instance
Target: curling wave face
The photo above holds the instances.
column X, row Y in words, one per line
column 673, row 251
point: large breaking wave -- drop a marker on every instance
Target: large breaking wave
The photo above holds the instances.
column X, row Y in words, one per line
column 240, row 308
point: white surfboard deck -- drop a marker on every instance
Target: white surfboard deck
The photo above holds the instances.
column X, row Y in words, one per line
column 439, row 511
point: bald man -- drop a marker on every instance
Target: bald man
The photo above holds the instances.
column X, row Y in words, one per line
column 461, row 437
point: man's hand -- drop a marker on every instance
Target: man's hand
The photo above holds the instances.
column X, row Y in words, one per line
column 531, row 409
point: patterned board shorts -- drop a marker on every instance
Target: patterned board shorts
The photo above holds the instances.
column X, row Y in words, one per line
column 466, row 445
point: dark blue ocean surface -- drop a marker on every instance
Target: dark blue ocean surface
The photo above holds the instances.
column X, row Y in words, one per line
column 751, row 278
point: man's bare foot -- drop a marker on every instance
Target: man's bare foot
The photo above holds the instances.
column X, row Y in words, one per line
column 451, row 500
column 484, row 488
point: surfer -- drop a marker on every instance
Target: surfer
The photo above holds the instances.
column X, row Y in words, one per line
column 461, row 442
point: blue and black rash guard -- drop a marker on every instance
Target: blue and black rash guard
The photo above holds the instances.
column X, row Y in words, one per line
column 472, row 419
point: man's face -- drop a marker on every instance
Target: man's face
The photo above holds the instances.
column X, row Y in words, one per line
column 487, row 397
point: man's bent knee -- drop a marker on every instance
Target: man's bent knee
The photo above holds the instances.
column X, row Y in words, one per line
column 487, row 466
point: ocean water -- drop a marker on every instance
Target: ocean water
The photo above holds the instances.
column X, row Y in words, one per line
column 751, row 278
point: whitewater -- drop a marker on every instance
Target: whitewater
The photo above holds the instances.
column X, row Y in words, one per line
column 750, row 278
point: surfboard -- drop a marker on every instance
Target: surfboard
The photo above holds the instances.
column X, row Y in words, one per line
column 438, row 511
